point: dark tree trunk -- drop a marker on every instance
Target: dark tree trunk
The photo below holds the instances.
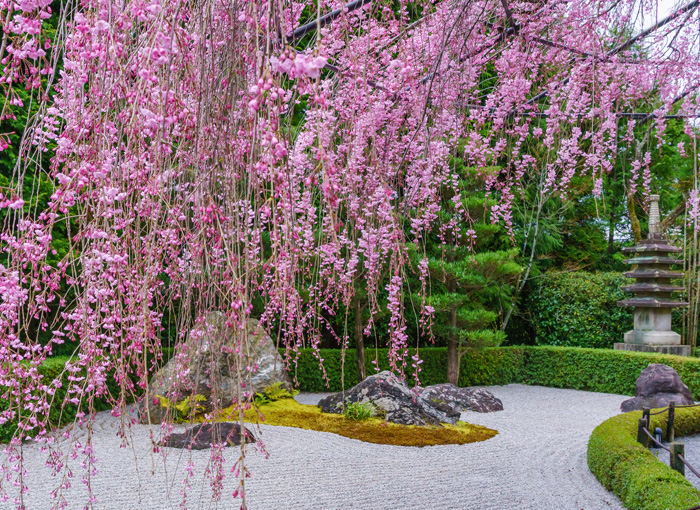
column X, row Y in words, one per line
column 452, row 356
column 611, row 232
column 359, row 339
column 634, row 220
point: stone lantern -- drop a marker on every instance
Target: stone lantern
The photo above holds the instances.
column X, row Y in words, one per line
column 653, row 289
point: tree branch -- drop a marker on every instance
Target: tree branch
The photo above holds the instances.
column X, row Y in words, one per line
column 675, row 213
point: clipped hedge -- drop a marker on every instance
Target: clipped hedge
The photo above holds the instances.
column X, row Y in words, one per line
column 599, row 370
column 50, row 369
column 59, row 415
column 579, row 309
column 632, row 472
column 478, row 368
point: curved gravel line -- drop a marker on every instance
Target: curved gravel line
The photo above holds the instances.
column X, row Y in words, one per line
column 537, row 461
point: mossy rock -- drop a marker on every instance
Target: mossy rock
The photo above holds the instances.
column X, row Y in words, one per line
column 289, row 413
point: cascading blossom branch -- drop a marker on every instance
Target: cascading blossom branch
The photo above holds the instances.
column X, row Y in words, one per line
column 203, row 162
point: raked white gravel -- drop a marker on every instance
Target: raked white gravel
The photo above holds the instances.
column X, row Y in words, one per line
column 537, row 462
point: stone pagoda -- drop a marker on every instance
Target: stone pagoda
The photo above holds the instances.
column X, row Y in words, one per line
column 653, row 258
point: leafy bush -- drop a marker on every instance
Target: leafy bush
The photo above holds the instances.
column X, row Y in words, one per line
column 600, row 370
column 579, row 309
column 633, row 473
column 273, row 393
column 359, row 411
column 60, row 412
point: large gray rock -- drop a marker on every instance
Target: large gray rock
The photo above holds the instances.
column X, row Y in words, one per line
column 202, row 436
column 462, row 399
column 208, row 363
column 657, row 386
column 394, row 399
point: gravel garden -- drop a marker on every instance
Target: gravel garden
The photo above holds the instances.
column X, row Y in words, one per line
column 537, row 460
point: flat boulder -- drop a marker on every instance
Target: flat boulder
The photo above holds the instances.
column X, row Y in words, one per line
column 208, row 363
column 202, row 436
column 393, row 399
column 657, row 386
column 463, row 399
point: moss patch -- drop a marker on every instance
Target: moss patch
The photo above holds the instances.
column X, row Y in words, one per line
column 290, row 413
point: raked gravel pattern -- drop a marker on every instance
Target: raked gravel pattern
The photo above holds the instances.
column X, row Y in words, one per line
column 537, row 461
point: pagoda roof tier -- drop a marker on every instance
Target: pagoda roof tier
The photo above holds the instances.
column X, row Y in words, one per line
column 652, row 302
column 653, row 273
column 653, row 260
column 656, row 247
column 652, row 287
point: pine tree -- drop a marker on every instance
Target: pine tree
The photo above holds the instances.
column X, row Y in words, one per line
column 472, row 268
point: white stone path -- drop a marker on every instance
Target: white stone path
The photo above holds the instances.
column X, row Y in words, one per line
column 537, row 461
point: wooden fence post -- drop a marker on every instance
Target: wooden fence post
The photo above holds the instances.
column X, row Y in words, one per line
column 670, row 427
column 676, row 450
column 642, row 436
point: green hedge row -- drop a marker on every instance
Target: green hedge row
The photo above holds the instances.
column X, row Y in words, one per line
column 600, row 370
column 50, row 369
column 487, row 367
column 59, row 415
column 632, row 472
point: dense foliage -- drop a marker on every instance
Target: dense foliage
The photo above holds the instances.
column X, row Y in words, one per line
column 578, row 309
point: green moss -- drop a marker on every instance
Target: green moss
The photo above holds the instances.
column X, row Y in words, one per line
column 289, row 413
column 632, row 472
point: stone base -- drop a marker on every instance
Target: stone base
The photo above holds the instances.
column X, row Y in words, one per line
column 652, row 337
column 677, row 350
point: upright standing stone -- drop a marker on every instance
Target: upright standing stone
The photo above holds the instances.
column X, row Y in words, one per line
column 653, row 302
column 214, row 361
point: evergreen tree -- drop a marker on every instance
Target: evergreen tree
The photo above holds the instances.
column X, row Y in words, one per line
column 471, row 266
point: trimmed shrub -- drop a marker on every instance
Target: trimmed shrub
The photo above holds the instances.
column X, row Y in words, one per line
column 50, row 369
column 60, row 414
column 478, row 368
column 600, row 370
column 304, row 367
column 579, row 309
column 632, row 472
